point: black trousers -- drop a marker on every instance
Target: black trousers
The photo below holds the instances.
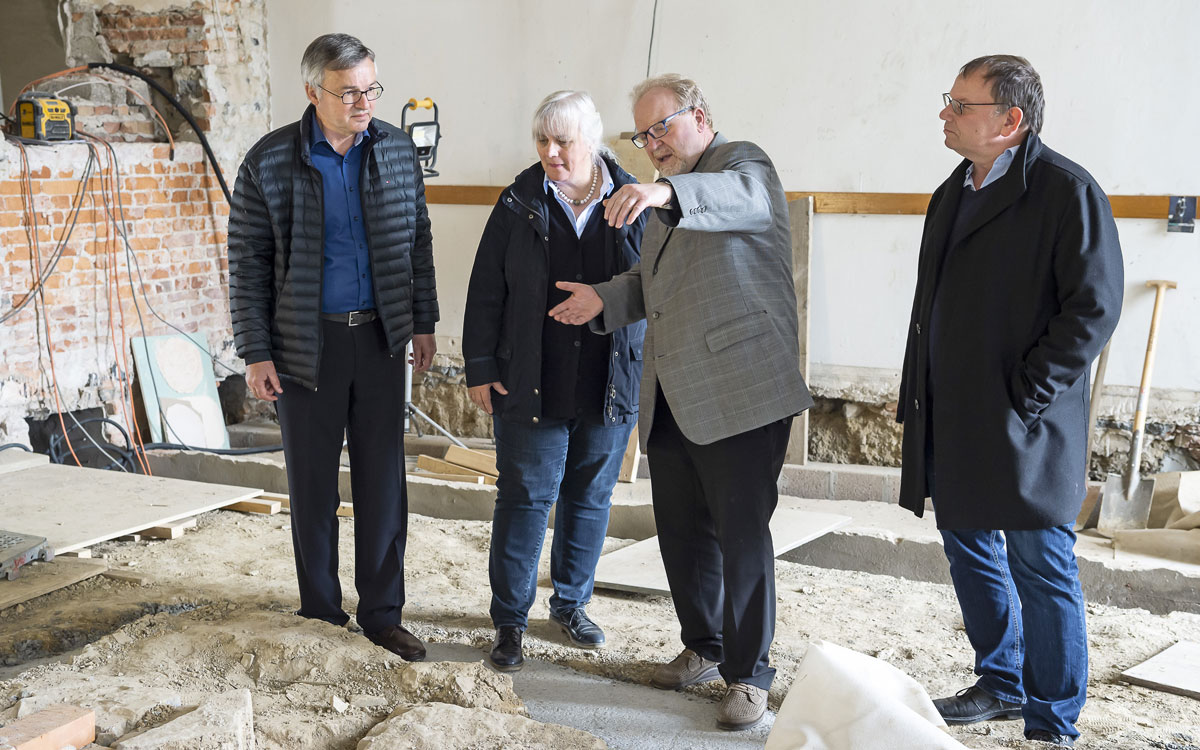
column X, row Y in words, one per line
column 712, row 507
column 360, row 392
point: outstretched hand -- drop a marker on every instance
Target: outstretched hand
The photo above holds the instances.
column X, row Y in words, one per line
column 583, row 304
column 629, row 201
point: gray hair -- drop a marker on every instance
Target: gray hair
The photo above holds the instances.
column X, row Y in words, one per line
column 687, row 92
column 571, row 114
column 332, row 52
column 1014, row 82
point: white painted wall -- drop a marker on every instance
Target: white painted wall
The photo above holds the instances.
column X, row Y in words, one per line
column 844, row 96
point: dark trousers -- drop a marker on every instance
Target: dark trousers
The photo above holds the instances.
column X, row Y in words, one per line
column 712, row 507
column 360, row 392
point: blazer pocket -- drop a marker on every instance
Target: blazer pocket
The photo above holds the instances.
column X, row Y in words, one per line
column 738, row 329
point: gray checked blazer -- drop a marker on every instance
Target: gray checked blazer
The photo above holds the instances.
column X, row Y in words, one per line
column 717, row 293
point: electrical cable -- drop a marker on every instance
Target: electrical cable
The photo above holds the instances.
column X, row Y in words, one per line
column 212, row 159
column 22, row 446
column 161, row 120
column 653, row 22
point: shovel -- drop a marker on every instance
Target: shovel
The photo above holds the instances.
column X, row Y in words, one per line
column 1125, row 503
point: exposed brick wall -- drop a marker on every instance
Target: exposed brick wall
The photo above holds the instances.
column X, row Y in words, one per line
column 176, row 220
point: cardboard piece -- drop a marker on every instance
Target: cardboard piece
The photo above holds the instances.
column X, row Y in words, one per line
column 639, row 567
column 1175, row 670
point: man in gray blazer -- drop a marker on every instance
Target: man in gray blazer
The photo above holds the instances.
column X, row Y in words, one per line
column 721, row 381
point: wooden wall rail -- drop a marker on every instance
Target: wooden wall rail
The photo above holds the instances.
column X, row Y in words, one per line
column 910, row 204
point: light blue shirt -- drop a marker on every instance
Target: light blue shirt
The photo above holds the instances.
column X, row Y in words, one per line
column 579, row 222
column 999, row 168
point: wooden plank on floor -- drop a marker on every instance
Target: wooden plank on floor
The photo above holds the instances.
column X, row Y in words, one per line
column 481, row 462
column 256, row 505
column 346, row 510
column 468, row 478
column 438, row 466
column 128, row 575
column 75, row 508
column 639, row 567
column 285, row 501
column 172, row 530
column 52, row 728
column 1175, row 670
column 40, row 578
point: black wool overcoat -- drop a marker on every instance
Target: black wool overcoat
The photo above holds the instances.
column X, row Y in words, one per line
column 1026, row 300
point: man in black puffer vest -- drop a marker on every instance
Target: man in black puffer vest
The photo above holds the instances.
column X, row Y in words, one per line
column 330, row 277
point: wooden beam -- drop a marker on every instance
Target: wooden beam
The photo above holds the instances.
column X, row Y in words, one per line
column 256, row 505
column 172, row 530
column 469, row 478
column 51, row 728
column 633, row 455
column 480, row 462
column 41, row 578
column 881, row 204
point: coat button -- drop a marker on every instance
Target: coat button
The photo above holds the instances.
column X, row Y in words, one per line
column 918, row 329
column 535, row 420
column 616, row 354
column 917, row 404
column 531, row 216
column 508, row 200
column 536, row 392
column 546, row 238
column 657, row 315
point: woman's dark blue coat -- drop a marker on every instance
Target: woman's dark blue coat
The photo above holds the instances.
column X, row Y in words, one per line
column 507, row 303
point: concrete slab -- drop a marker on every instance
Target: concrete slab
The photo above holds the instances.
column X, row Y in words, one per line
column 1175, row 670
column 75, row 508
column 625, row 715
column 639, row 567
column 889, row 540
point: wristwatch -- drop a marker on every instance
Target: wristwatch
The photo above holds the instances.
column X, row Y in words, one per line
column 667, row 206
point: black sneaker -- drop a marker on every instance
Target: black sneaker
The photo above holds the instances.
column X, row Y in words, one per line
column 974, row 704
column 506, row 649
column 1042, row 735
column 579, row 628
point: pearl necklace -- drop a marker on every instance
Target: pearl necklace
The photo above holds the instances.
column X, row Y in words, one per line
column 585, row 199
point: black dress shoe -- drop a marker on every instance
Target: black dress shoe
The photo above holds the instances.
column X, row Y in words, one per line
column 1042, row 735
column 973, row 704
column 399, row 641
column 506, row 649
column 579, row 628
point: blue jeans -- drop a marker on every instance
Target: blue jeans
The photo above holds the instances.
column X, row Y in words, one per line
column 574, row 462
column 1024, row 614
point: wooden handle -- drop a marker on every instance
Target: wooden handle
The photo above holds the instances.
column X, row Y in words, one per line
column 1160, row 290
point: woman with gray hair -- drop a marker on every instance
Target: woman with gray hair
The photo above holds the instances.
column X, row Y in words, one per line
column 563, row 400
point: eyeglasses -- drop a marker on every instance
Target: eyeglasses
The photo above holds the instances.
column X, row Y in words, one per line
column 658, row 129
column 351, row 97
column 957, row 106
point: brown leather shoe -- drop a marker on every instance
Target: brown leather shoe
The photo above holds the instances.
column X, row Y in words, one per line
column 399, row 641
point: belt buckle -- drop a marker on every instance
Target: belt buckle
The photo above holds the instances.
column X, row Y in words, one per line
column 358, row 317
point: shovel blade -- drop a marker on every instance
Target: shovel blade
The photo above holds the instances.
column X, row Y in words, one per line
column 1124, row 507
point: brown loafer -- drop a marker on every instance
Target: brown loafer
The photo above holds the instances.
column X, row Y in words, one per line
column 399, row 641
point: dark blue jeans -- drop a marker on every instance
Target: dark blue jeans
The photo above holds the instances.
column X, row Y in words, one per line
column 574, row 462
column 1023, row 610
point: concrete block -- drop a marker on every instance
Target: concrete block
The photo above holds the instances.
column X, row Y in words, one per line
column 223, row 722
column 808, row 480
column 851, row 483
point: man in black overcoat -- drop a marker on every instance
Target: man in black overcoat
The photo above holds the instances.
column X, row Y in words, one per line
column 1019, row 287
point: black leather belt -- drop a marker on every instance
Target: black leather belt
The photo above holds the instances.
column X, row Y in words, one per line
column 352, row 318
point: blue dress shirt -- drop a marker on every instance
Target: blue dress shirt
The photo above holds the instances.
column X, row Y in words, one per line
column 998, row 170
column 346, row 283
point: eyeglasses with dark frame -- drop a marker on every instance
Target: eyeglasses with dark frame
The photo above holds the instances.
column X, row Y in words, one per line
column 957, row 106
column 658, row 129
column 372, row 92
